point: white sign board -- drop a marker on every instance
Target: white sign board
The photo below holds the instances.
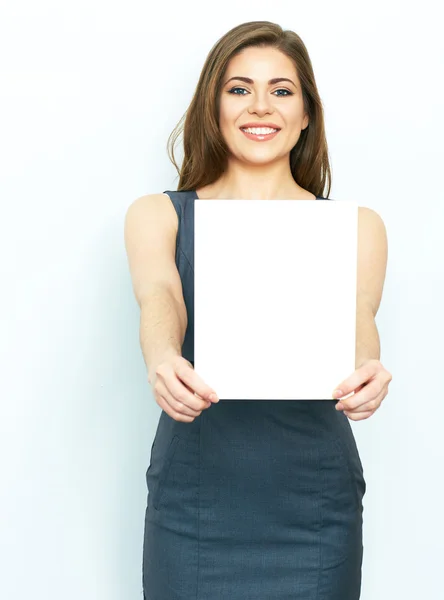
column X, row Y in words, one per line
column 275, row 297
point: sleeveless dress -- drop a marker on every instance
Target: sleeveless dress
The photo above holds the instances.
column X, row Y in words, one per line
column 253, row 500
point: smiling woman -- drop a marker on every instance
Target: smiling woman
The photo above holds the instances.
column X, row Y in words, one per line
column 253, row 77
column 246, row 499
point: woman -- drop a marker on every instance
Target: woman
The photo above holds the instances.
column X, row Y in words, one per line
column 249, row 499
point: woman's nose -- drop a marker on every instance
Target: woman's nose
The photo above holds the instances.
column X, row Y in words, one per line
column 260, row 103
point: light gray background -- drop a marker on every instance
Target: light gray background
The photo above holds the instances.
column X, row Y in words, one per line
column 89, row 93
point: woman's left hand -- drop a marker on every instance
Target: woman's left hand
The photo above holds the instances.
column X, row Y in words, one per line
column 370, row 386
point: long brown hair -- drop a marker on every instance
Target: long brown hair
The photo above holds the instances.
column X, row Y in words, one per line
column 205, row 151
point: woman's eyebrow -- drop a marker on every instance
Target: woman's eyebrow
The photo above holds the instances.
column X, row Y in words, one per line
column 271, row 82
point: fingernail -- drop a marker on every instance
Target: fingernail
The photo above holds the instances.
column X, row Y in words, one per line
column 214, row 398
column 337, row 394
column 339, row 406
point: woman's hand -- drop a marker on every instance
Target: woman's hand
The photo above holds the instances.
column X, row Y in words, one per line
column 179, row 390
column 370, row 386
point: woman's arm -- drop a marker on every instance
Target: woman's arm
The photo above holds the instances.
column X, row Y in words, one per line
column 367, row 336
column 372, row 266
column 368, row 384
column 150, row 240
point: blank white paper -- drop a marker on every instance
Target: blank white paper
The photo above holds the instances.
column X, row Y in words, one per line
column 275, row 297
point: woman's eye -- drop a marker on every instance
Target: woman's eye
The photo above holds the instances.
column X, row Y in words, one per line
column 237, row 88
column 232, row 91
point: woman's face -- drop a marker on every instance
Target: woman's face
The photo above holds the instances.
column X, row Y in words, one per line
column 258, row 101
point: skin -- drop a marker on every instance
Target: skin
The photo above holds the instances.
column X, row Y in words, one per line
column 261, row 170
column 368, row 384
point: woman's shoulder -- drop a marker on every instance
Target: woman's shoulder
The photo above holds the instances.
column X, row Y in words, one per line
column 160, row 207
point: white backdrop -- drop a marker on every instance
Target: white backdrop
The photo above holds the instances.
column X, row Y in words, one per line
column 89, row 92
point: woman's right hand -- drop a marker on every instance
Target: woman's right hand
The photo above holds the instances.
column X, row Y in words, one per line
column 179, row 390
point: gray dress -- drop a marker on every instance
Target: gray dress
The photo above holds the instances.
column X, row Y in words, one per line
column 253, row 500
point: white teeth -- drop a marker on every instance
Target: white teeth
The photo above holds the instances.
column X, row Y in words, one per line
column 259, row 130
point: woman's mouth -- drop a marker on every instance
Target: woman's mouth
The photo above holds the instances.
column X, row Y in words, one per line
column 260, row 134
